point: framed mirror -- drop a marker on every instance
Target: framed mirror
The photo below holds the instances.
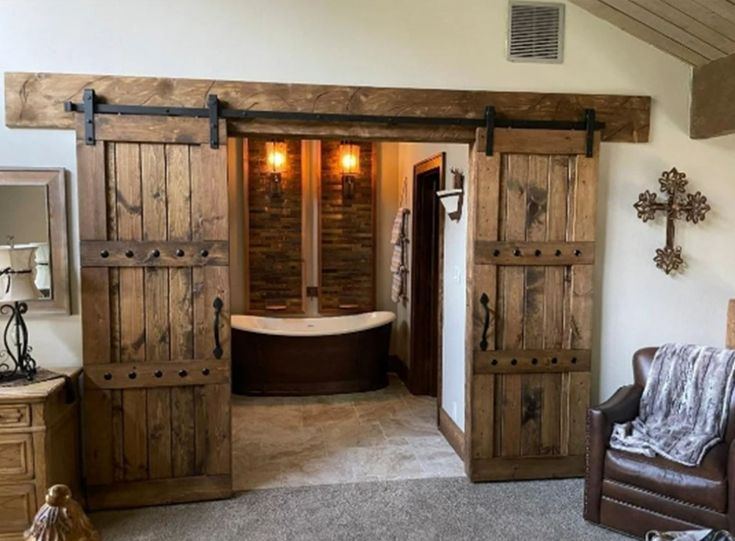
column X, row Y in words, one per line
column 33, row 237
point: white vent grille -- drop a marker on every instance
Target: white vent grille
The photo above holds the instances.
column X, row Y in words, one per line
column 535, row 32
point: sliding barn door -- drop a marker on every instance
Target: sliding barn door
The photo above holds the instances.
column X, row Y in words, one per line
column 155, row 312
column 531, row 256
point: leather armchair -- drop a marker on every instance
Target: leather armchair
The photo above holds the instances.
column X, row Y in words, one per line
column 635, row 494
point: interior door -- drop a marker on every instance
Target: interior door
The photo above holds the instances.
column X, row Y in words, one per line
column 530, row 287
column 155, row 312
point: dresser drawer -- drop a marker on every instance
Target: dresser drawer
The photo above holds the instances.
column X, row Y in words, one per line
column 14, row 415
column 17, row 507
column 16, row 457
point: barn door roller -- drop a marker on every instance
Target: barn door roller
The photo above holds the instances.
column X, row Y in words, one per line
column 214, row 111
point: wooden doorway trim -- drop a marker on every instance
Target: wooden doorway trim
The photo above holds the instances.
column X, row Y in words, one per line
column 36, row 100
column 424, row 374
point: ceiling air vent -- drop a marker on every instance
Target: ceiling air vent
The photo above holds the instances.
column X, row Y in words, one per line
column 535, row 32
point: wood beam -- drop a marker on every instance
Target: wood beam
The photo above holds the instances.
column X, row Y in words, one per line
column 712, row 111
column 35, row 100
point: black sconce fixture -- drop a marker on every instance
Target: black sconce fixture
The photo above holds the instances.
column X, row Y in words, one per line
column 276, row 156
column 16, row 279
column 349, row 159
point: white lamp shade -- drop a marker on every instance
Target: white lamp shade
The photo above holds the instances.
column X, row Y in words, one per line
column 22, row 286
column 43, row 271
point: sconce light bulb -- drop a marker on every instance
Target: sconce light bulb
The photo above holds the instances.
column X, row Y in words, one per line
column 276, row 160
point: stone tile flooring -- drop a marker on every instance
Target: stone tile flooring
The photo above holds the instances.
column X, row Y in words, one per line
column 297, row 441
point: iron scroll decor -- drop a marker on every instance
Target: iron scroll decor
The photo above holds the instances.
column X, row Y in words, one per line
column 678, row 205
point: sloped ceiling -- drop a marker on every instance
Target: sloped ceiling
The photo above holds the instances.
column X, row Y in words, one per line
column 695, row 31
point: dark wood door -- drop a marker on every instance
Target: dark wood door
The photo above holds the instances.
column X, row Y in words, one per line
column 532, row 232
column 154, row 255
column 425, row 287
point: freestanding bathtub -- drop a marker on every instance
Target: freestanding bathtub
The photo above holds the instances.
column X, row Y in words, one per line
column 307, row 356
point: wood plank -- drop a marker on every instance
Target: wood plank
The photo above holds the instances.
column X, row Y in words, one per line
column 514, row 180
column 178, row 186
column 35, row 100
column 658, row 23
column 452, row 433
column 146, row 129
column 159, row 491
column 723, row 8
column 155, row 229
column 688, row 21
column 553, row 331
column 97, row 405
column 153, row 253
column 642, row 31
column 513, row 141
column 730, row 334
column 533, row 321
column 517, row 361
column 210, row 221
column 534, row 253
column 699, row 10
column 712, row 111
column 161, row 373
column 132, row 307
column 504, row 469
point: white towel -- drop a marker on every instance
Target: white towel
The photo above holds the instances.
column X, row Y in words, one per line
column 398, row 226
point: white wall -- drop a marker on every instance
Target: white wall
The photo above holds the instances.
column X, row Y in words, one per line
column 455, row 244
column 414, row 43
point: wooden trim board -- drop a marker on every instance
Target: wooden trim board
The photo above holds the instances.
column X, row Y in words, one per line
column 451, row 432
column 730, row 336
column 36, row 100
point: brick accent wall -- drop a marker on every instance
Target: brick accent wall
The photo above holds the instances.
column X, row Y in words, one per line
column 274, row 252
column 347, row 235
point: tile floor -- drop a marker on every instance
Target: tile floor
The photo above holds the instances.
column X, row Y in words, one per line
column 296, row 441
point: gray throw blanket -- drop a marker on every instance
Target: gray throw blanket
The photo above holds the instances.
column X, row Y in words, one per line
column 684, row 406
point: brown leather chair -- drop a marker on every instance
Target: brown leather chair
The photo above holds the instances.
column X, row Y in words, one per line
column 633, row 493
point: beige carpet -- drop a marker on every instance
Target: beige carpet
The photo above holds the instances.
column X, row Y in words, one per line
column 421, row 510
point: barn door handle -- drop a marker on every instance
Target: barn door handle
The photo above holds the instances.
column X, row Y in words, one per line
column 485, row 302
column 218, row 304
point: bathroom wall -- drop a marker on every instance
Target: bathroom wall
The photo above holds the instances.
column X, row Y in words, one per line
column 274, row 266
column 23, row 214
column 347, row 234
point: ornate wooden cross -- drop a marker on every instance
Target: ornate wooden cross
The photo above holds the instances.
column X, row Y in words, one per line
column 679, row 205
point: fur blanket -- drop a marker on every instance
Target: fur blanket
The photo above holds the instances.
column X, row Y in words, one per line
column 684, row 406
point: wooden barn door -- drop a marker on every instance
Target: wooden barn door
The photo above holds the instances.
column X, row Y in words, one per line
column 155, row 304
column 531, row 259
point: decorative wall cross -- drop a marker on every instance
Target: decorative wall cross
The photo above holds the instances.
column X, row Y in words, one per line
column 678, row 206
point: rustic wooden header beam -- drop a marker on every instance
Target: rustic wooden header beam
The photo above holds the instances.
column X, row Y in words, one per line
column 713, row 99
column 36, row 100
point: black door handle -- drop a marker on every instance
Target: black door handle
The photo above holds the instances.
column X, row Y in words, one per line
column 218, row 304
column 485, row 302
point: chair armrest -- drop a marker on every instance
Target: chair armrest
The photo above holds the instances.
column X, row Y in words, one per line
column 619, row 408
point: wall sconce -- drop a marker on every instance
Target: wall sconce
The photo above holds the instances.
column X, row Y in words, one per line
column 276, row 157
column 453, row 199
column 349, row 159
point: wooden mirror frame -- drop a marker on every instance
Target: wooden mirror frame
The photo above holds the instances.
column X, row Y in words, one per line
column 54, row 180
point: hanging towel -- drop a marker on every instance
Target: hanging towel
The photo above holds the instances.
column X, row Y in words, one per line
column 396, row 261
column 398, row 285
column 398, row 230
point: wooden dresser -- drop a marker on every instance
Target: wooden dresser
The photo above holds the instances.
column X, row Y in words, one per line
column 39, row 447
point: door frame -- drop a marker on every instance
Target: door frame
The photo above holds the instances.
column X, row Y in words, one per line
column 36, row 100
column 419, row 373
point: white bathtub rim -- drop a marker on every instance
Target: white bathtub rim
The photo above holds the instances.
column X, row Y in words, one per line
column 311, row 326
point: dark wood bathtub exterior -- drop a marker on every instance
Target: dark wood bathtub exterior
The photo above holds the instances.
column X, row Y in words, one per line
column 277, row 365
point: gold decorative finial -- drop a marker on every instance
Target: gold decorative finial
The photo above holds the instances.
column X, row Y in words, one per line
column 61, row 518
